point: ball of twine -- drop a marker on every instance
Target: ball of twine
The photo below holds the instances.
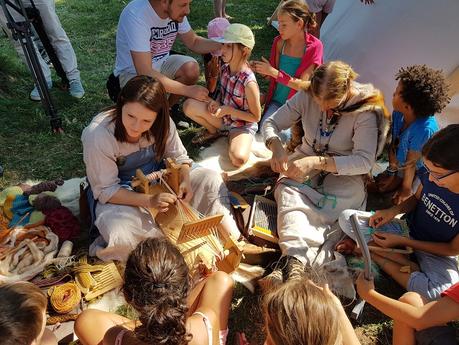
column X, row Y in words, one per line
column 64, row 298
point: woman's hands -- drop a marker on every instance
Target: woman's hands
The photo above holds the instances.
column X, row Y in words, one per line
column 299, row 169
column 162, row 201
column 279, row 158
column 185, row 193
column 264, row 67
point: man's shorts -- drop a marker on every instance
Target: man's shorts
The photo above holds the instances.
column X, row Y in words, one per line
column 169, row 68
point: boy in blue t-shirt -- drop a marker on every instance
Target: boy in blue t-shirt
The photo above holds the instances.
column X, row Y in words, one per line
column 421, row 92
column 432, row 217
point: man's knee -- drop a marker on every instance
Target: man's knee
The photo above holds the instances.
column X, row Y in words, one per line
column 188, row 73
column 188, row 106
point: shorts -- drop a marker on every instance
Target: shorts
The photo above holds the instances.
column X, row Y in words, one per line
column 169, row 68
column 249, row 128
column 437, row 273
column 439, row 335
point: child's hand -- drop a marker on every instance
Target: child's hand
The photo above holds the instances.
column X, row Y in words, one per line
column 212, row 106
column 264, row 67
column 382, row 217
column 401, row 195
column 388, row 240
column 364, row 286
column 185, row 193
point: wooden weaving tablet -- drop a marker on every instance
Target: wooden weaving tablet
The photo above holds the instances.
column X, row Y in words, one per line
column 263, row 220
column 199, row 238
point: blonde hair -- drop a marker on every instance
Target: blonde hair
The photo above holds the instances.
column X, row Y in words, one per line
column 298, row 312
column 332, row 80
column 299, row 10
column 21, row 313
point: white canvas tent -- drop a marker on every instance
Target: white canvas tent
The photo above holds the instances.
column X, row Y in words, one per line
column 379, row 39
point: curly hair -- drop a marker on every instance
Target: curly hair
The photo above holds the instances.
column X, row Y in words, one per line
column 156, row 284
column 424, row 89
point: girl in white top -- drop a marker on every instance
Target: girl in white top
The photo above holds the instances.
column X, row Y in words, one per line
column 157, row 285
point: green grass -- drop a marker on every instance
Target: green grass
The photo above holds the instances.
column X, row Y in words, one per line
column 28, row 149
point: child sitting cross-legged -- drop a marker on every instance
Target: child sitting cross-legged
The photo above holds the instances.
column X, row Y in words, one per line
column 432, row 220
column 237, row 107
column 170, row 310
column 23, row 315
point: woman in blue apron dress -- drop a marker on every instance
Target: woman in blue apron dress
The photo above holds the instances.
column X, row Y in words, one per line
column 138, row 134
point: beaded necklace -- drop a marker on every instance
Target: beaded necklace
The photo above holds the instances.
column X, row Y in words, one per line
column 327, row 132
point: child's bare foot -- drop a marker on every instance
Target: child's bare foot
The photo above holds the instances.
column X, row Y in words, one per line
column 346, row 246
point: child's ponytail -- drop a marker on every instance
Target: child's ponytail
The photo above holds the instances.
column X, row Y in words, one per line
column 297, row 10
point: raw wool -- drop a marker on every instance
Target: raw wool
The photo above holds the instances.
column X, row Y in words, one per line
column 69, row 194
column 24, row 257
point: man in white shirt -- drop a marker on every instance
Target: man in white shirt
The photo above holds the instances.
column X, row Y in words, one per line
column 147, row 30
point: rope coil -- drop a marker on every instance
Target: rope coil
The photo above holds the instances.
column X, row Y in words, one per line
column 64, row 298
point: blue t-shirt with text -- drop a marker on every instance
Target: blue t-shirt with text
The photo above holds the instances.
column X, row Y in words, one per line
column 435, row 217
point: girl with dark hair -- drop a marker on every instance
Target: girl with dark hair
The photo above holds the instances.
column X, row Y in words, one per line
column 170, row 311
column 23, row 315
column 138, row 133
column 432, row 217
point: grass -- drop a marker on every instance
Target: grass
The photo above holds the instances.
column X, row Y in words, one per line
column 28, row 149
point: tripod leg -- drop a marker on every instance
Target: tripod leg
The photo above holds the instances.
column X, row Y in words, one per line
column 40, row 81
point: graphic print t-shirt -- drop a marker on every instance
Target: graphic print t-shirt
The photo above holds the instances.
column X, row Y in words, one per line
column 140, row 29
column 436, row 215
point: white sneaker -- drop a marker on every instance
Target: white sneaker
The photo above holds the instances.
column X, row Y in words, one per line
column 76, row 88
column 35, row 95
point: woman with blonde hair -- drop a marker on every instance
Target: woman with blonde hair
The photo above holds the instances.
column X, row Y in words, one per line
column 344, row 125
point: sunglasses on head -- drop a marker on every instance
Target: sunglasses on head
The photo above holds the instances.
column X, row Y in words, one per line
column 436, row 176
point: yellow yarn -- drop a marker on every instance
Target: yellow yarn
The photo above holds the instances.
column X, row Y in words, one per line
column 64, row 298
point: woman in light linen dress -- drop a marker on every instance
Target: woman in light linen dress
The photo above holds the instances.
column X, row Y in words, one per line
column 138, row 133
column 344, row 125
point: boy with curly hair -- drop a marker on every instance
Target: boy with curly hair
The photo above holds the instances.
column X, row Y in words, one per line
column 421, row 93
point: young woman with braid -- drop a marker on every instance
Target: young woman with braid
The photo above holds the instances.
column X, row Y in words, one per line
column 170, row 309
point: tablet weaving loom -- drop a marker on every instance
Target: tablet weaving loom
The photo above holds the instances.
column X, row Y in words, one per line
column 198, row 237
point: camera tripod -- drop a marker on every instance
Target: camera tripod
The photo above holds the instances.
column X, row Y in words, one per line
column 22, row 31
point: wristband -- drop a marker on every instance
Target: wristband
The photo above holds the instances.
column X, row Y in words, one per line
column 270, row 140
column 283, row 78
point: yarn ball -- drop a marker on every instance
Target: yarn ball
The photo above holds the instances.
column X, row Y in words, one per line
column 44, row 187
column 44, row 201
column 13, row 191
column 62, row 222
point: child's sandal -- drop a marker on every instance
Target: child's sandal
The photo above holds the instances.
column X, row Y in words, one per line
column 205, row 137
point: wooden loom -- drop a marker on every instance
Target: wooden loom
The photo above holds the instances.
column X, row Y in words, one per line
column 199, row 238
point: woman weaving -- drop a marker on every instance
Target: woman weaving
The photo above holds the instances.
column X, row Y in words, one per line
column 342, row 121
column 138, row 133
